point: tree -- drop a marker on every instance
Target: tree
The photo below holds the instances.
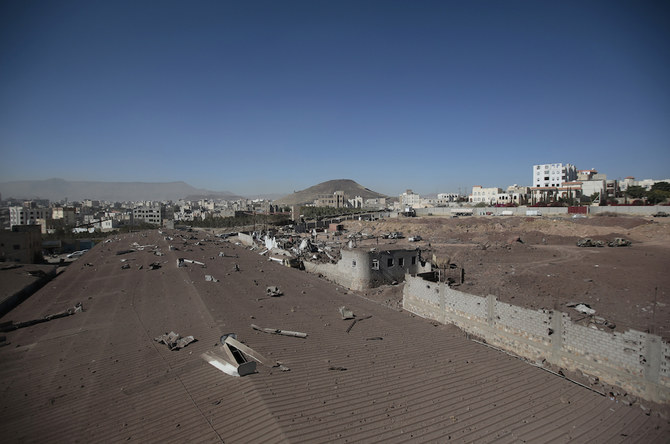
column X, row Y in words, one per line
column 661, row 186
column 636, row 192
column 657, row 196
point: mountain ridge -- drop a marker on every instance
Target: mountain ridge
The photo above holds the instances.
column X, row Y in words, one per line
column 57, row 189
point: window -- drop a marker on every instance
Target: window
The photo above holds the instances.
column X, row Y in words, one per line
column 375, row 264
column 413, row 260
column 401, row 262
column 353, row 264
column 389, row 262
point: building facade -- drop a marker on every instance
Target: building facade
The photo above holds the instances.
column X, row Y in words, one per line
column 28, row 216
column 151, row 215
column 489, row 196
column 553, row 174
column 23, row 244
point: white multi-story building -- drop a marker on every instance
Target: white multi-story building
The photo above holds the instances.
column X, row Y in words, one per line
column 553, row 174
column 446, row 198
column 410, row 199
column 28, row 216
column 489, row 196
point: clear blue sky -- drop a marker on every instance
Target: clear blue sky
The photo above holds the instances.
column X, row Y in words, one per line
column 277, row 96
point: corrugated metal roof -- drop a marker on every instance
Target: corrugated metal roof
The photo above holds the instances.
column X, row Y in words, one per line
column 99, row 376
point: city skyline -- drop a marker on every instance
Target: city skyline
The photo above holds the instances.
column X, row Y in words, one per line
column 264, row 97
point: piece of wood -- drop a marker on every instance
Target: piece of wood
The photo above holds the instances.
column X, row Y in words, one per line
column 276, row 331
column 356, row 320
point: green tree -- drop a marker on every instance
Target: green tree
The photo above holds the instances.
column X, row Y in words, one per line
column 636, row 192
column 661, row 186
column 657, row 196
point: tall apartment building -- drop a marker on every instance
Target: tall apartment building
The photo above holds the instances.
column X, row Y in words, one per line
column 28, row 216
column 152, row 215
column 410, row 199
column 553, row 174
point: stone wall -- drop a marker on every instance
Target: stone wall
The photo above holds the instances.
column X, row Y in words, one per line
column 635, row 361
column 545, row 211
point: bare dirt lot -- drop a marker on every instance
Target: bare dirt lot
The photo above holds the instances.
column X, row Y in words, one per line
column 535, row 263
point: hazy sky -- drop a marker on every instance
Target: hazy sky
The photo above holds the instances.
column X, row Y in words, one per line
column 277, row 96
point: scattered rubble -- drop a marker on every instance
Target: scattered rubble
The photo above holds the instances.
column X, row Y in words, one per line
column 273, row 291
column 346, row 313
column 357, row 320
column 174, row 341
column 9, row 326
column 581, row 307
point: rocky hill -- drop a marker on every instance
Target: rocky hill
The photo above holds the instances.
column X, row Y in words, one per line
column 351, row 189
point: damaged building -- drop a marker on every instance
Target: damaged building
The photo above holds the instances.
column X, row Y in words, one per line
column 358, row 269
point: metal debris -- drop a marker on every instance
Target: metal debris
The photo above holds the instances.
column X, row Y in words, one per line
column 231, row 357
column 276, row 331
column 174, row 341
column 273, row 291
column 357, row 320
column 210, row 278
column 9, row 326
column 346, row 313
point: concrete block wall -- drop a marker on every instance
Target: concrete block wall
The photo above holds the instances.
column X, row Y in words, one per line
column 635, row 361
column 334, row 273
column 546, row 211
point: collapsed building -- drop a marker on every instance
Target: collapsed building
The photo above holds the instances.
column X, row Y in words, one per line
column 345, row 263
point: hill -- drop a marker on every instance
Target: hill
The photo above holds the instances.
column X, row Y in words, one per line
column 351, row 189
column 59, row 189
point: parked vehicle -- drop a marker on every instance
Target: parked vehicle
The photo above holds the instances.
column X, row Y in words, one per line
column 619, row 242
column 76, row 254
column 588, row 242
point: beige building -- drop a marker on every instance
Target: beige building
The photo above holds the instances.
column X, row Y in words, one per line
column 23, row 244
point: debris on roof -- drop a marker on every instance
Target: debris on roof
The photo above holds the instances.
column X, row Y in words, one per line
column 357, row 320
column 231, row 357
column 273, row 291
column 276, row 331
column 582, row 308
column 9, row 326
column 210, row 278
column 346, row 313
column 174, row 341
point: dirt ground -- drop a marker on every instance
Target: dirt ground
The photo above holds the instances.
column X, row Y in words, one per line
column 535, row 263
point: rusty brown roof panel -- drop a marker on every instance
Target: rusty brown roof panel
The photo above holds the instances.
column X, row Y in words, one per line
column 100, row 376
